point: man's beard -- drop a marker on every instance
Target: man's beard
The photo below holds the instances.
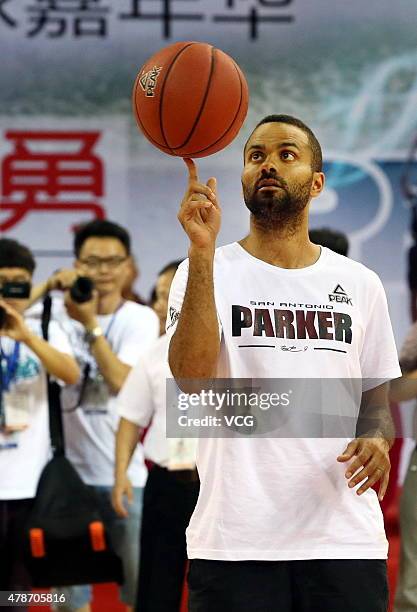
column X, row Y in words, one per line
column 279, row 208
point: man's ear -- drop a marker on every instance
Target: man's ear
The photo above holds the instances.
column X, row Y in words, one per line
column 77, row 264
column 317, row 185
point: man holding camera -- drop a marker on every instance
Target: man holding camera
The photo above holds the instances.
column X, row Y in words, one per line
column 108, row 334
column 26, row 358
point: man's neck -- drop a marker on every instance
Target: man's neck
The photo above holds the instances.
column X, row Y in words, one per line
column 109, row 303
column 282, row 247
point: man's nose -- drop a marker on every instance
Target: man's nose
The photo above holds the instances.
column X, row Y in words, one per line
column 269, row 165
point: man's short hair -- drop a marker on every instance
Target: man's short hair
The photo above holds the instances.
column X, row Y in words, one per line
column 100, row 228
column 332, row 239
column 316, row 152
column 172, row 265
column 16, row 255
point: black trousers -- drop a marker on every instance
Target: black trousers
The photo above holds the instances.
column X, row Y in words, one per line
column 288, row 586
column 13, row 573
column 168, row 502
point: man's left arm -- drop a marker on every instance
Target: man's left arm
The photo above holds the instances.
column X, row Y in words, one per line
column 369, row 451
column 375, row 433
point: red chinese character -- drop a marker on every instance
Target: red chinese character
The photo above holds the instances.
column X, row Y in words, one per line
column 37, row 181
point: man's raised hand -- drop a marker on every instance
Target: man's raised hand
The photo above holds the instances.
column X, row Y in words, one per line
column 200, row 213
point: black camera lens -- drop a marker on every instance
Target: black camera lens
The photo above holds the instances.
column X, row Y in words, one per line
column 82, row 290
column 3, row 316
column 16, row 290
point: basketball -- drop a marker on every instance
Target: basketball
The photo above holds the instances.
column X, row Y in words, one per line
column 190, row 99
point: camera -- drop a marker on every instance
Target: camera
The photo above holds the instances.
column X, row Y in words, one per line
column 82, row 290
column 16, row 291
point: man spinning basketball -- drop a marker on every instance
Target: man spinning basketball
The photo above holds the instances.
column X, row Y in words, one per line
column 283, row 524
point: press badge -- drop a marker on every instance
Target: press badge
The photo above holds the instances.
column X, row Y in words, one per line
column 17, row 403
column 182, row 453
column 96, row 396
column 9, row 441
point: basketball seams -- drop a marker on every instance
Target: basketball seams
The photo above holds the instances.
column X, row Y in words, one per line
column 142, row 127
column 162, row 94
column 200, row 110
column 203, row 103
column 232, row 122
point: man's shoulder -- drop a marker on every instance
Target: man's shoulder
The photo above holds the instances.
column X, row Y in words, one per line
column 137, row 312
column 157, row 350
column 221, row 254
column 134, row 308
column 357, row 269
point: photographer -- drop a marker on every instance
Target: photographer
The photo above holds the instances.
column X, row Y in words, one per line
column 24, row 428
column 108, row 334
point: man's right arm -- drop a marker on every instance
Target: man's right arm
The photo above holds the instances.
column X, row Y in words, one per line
column 195, row 346
column 62, row 279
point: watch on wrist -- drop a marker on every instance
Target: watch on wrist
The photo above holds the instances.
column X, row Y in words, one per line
column 91, row 335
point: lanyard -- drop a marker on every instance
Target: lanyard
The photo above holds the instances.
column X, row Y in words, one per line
column 9, row 364
column 110, row 325
column 87, row 367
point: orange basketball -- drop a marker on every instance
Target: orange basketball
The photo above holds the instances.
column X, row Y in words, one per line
column 190, row 99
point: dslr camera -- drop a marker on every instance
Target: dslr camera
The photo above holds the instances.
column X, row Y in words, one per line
column 82, row 290
column 13, row 290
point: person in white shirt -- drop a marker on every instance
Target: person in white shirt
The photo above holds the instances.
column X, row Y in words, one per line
column 172, row 487
column 108, row 334
column 284, row 523
column 25, row 360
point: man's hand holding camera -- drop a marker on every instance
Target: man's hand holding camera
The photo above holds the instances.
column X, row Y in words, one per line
column 84, row 312
column 62, row 279
column 81, row 299
column 82, row 304
column 14, row 326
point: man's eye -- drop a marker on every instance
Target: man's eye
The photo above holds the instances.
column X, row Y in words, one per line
column 289, row 155
column 256, row 156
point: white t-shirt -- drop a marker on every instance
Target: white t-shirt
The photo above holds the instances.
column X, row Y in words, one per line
column 90, row 429
column 282, row 498
column 22, row 463
column 143, row 401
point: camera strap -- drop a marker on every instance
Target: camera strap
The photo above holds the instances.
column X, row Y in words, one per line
column 56, row 431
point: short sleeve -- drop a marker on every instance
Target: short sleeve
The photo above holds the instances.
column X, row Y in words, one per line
column 176, row 299
column 140, row 330
column 379, row 357
column 135, row 400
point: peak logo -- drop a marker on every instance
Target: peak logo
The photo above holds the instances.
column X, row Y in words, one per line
column 148, row 81
column 339, row 295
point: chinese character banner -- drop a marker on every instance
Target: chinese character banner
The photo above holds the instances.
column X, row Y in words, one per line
column 70, row 150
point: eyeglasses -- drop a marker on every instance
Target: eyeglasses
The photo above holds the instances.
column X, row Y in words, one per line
column 94, row 263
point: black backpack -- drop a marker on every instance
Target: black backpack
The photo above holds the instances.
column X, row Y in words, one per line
column 66, row 540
